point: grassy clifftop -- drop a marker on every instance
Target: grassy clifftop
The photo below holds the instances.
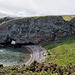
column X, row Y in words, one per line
column 68, row 17
column 61, row 51
column 65, row 17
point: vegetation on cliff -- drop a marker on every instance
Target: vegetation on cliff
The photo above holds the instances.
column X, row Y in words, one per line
column 68, row 17
column 65, row 17
column 61, row 51
column 38, row 69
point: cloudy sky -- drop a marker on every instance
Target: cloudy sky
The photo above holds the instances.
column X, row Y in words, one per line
column 24, row 8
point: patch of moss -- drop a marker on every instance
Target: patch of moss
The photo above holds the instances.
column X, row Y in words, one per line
column 68, row 17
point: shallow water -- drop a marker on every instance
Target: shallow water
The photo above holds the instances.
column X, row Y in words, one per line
column 13, row 56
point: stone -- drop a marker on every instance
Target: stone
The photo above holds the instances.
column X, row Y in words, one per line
column 36, row 30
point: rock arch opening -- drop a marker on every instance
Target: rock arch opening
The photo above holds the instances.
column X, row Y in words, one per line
column 13, row 42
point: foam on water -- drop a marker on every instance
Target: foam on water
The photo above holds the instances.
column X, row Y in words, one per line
column 2, row 50
column 14, row 56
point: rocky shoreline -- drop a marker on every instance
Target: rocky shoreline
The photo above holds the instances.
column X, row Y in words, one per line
column 38, row 53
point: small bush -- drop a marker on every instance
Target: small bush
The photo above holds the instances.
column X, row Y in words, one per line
column 1, row 65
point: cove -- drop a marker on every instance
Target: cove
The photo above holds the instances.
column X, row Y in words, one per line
column 14, row 56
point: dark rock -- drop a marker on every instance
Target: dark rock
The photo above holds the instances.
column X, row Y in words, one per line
column 36, row 30
column 1, row 65
column 2, row 46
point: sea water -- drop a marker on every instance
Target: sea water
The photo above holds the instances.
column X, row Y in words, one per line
column 14, row 56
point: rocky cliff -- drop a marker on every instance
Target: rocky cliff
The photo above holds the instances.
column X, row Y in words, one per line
column 36, row 30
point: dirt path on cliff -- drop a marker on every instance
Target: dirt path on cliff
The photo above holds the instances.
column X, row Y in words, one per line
column 38, row 53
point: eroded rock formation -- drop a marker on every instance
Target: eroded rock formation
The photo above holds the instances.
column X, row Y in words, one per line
column 36, row 30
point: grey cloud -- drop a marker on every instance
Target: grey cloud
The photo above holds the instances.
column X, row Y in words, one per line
column 36, row 7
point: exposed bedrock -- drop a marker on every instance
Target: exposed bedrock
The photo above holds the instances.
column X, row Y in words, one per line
column 36, row 30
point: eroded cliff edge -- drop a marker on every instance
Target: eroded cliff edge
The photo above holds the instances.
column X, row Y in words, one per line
column 36, row 30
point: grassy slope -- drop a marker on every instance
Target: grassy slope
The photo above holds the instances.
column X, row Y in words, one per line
column 65, row 17
column 61, row 51
column 68, row 17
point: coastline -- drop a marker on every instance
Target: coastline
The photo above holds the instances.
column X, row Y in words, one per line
column 38, row 53
column 31, row 56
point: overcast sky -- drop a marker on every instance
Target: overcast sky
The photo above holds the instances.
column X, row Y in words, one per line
column 24, row 8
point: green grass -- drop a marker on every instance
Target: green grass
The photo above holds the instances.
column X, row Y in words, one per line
column 68, row 17
column 61, row 51
column 65, row 17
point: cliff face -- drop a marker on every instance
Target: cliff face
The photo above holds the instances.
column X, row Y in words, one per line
column 36, row 30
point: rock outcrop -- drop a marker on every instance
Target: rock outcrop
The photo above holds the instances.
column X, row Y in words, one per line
column 36, row 30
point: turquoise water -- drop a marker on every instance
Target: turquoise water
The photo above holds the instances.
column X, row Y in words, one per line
column 13, row 56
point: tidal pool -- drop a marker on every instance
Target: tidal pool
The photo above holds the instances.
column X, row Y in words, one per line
column 13, row 56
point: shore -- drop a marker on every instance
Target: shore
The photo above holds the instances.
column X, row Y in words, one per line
column 38, row 53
